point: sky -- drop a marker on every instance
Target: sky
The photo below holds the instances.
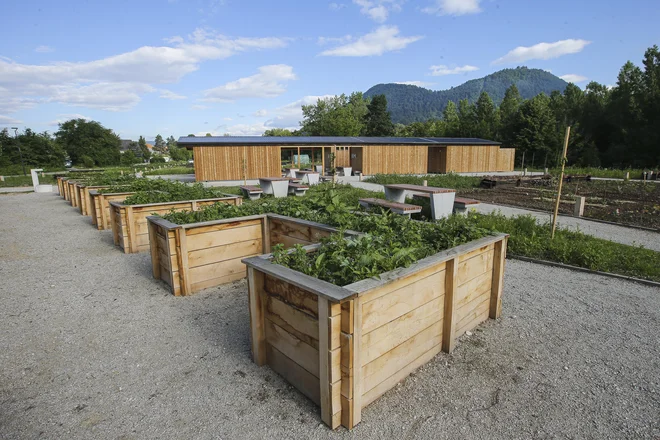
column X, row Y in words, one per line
column 179, row 67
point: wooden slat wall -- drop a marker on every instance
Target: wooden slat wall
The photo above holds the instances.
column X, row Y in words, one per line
column 437, row 160
column 467, row 159
column 343, row 158
column 290, row 233
column 401, row 159
column 226, row 163
column 505, row 159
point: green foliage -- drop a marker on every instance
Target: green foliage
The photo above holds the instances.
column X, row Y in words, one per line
column 409, row 104
column 377, row 120
column 18, row 181
column 159, row 144
column 179, row 154
column 87, row 161
column 450, row 180
column 143, row 149
column 278, row 132
column 337, row 116
column 79, row 138
column 157, row 160
column 173, row 191
column 128, row 158
column 529, row 239
column 170, row 170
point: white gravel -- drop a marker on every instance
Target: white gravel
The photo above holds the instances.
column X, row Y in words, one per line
column 92, row 347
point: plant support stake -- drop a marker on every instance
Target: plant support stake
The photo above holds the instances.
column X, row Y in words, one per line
column 561, row 180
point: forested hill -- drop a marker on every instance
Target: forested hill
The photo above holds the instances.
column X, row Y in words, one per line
column 408, row 103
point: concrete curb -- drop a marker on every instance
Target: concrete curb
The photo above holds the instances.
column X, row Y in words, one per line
column 582, row 269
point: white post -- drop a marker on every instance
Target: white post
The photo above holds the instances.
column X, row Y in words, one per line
column 579, row 206
column 627, row 175
column 2, row 178
column 425, row 183
column 35, row 177
column 525, row 172
column 545, row 171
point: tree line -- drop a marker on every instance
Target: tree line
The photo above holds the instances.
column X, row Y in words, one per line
column 610, row 126
column 84, row 143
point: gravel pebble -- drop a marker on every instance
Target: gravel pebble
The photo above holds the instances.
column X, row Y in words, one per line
column 92, row 347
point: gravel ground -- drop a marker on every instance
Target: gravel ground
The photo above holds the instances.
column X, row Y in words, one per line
column 92, row 347
column 618, row 234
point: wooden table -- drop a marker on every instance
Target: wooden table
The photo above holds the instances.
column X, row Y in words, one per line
column 442, row 199
column 309, row 177
column 277, row 186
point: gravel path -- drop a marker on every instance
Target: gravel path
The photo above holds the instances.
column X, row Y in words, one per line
column 618, row 234
column 92, row 347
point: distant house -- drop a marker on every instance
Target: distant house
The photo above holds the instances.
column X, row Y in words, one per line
column 127, row 144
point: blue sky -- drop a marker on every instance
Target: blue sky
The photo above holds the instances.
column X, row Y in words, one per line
column 176, row 67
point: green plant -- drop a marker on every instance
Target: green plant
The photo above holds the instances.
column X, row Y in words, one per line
column 450, row 180
column 87, row 161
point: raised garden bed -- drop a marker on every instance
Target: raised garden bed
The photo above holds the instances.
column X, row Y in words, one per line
column 129, row 222
column 85, row 204
column 374, row 332
column 60, row 186
column 196, row 256
column 99, row 207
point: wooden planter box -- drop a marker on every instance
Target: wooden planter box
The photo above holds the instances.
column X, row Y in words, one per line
column 99, row 207
column 196, row 256
column 60, row 186
column 374, row 332
column 129, row 222
column 85, row 203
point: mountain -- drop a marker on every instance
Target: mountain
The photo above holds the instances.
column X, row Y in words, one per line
column 408, row 103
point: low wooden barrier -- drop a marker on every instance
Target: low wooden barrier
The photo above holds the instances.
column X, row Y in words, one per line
column 71, row 190
column 345, row 346
column 99, row 207
column 129, row 222
column 60, row 186
column 85, row 203
column 196, row 256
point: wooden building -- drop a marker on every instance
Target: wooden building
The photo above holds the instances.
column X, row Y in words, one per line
column 251, row 157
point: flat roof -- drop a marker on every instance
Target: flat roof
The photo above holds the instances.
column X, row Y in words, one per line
column 225, row 141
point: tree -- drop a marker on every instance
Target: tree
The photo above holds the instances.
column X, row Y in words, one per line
column 336, row 116
column 144, row 150
column 451, row 118
column 377, row 121
column 467, row 121
column 171, row 142
column 208, row 135
column 278, row 132
column 535, row 128
column 128, row 158
column 509, row 114
column 159, row 144
column 486, row 117
column 78, row 137
column 180, row 154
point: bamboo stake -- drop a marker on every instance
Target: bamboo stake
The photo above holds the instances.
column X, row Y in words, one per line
column 561, row 181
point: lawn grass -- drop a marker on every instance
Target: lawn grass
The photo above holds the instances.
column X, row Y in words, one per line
column 170, row 170
column 26, row 181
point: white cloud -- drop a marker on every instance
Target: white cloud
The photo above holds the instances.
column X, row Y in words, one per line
column 573, row 78
column 415, row 83
column 445, row 70
column 337, row 40
column 62, row 118
column 255, row 129
column 384, row 39
column 132, row 73
column 453, row 7
column 336, row 6
column 44, row 49
column 543, row 51
column 168, row 94
column 8, row 120
column 261, row 112
column 268, row 83
column 200, row 107
column 378, row 10
column 227, row 119
column 290, row 115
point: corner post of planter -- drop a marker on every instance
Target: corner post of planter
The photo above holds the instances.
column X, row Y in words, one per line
column 356, row 364
column 153, row 248
column 499, row 254
column 114, row 225
column 257, row 324
column 181, row 244
column 265, row 234
column 449, row 320
column 194, row 205
column 130, row 229
column 329, row 318
column 104, row 221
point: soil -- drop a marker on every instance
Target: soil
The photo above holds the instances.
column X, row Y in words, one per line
column 628, row 203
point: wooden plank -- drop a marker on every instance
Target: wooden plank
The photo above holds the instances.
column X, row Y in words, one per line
column 448, row 339
column 388, row 336
column 220, row 227
column 473, row 288
column 356, row 365
column 334, row 365
column 468, row 314
column 224, row 237
column 216, row 270
column 398, row 283
column 288, row 242
column 302, row 325
column 399, row 302
column 497, row 279
column 155, row 255
column 334, row 330
column 474, row 267
column 471, row 324
column 476, row 252
column 324, row 380
column 130, row 225
column 398, row 358
column 293, row 295
column 241, row 249
column 400, row 375
column 185, row 273
column 265, row 234
column 293, row 373
column 257, row 321
column 197, row 286
column 347, row 385
column 298, row 351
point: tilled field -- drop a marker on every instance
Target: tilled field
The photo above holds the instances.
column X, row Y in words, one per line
column 92, row 347
column 627, row 203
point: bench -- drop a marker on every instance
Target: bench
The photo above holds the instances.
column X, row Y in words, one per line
column 442, row 199
column 277, row 186
column 395, row 207
column 297, row 189
column 461, row 205
column 252, row 192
